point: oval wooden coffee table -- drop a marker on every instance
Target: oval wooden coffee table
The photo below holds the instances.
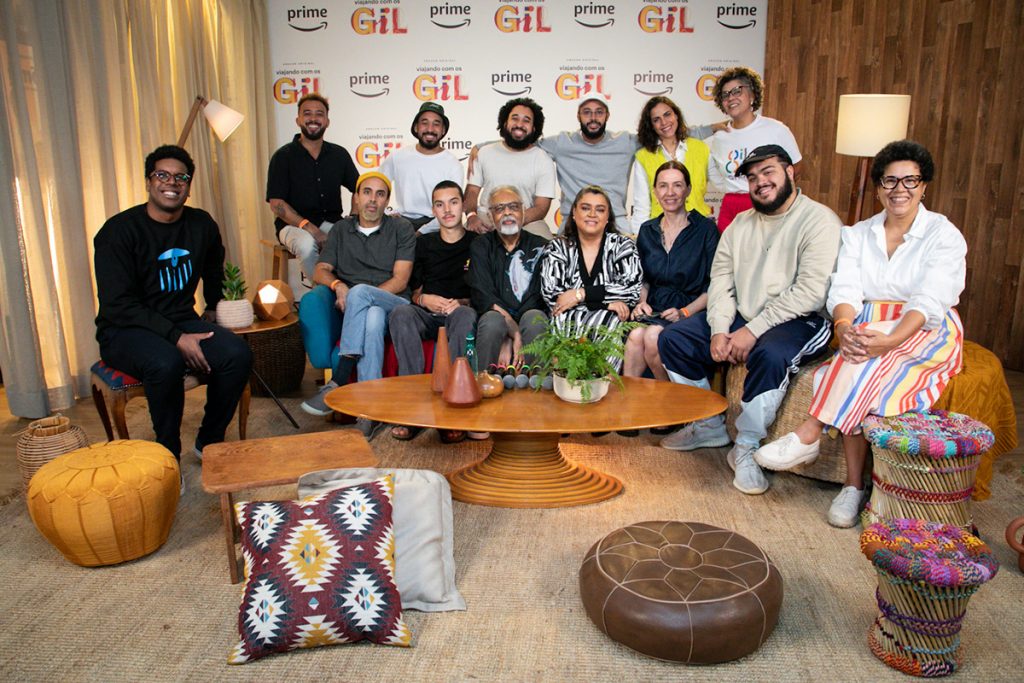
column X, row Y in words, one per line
column 526, row 468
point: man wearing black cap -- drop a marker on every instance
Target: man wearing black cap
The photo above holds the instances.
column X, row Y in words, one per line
column 416, row 171
column 769, row 281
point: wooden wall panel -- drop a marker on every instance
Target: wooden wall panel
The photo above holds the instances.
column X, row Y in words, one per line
column 962, row 61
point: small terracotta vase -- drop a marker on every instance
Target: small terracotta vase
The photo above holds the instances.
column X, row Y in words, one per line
column 1011, row 538
column 490, row 386
column 462, row 390
column 442, row 363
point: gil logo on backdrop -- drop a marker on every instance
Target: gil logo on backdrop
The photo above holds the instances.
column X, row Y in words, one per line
column 521, row 18
column 664, row 19
column 367, row 21
column 289, row 89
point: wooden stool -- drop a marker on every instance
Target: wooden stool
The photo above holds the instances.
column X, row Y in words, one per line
column 234, row 466
column 281, row 256
column 112, row 389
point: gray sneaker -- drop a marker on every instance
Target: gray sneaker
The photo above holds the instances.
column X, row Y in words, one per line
column 843, row 512
column 317, row 405
column 749, row 477
column 368, row 428
column 699, row 434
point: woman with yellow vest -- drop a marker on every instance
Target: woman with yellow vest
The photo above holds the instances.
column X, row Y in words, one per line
column 663, row 136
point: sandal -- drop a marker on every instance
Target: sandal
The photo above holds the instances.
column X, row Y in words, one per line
column 451, row 435
column 405, row 433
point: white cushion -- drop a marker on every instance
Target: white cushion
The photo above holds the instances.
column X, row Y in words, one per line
column 424, row 535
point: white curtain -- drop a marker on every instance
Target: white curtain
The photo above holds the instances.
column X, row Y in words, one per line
column 89, row 87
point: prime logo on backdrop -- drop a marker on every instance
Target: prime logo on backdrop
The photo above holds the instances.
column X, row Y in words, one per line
column 377, row 61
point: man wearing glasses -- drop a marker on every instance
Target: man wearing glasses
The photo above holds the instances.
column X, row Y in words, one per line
column 504, row 277
column 149, row 260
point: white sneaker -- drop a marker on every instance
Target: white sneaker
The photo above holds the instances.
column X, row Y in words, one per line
column 845, row 509
column 317, row 405
column 696, row 435
column 786, row 453
column 749, row 478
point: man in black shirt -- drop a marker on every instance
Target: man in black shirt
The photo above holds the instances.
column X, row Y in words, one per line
column 304, row 184
column 505, row 280
column 149, row 260
column 440, row 293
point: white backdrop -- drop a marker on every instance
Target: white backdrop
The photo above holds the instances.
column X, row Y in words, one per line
column 378, row 60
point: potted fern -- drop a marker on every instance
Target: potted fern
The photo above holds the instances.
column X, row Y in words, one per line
column 581, row 358
column 234, row 310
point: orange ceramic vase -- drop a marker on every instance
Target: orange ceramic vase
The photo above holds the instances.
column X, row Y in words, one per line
column 462, row 391
column 442, row 363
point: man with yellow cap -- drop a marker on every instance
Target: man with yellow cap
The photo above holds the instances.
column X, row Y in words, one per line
column 362, row 275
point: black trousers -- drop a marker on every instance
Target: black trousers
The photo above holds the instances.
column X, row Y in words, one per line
column 161, row 367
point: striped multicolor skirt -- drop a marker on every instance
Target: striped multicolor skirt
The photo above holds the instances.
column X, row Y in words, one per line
column 910, row 378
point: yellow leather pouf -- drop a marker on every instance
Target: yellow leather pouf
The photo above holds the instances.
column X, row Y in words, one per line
column 106, row 503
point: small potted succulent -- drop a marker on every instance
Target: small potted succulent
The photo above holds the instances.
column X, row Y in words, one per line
column 234, row 310
column 581, row 358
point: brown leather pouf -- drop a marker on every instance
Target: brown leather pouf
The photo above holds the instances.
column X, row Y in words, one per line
column 682, row 591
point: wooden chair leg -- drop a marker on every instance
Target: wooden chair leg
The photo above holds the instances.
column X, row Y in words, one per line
column 243, row 411
column 101, row 408
column 228, row 514
column 277, row 266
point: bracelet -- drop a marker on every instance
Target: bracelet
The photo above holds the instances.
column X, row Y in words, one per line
column 470, row 215
column 579, row 294
column 303, row 223
column 336, row 281
column 686, row 313
column 840, row 321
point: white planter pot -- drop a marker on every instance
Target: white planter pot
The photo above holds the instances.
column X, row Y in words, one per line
column 234, row 314
column 573, row 391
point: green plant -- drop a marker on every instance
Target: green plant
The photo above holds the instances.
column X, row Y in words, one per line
column 578, row 352
column 234, row 284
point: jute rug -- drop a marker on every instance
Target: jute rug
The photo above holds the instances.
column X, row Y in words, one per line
column 172, row 615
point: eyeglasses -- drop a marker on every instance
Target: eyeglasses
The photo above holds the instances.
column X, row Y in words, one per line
column 165, row 177
column 735, row 92
column 499, row 209
column 890, row 182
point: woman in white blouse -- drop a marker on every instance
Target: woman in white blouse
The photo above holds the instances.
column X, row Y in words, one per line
column 898, row 277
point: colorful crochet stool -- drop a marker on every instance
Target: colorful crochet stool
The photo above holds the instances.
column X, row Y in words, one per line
column 106, row 503
column 927, row 573
column 682, row 591
column 924, row 466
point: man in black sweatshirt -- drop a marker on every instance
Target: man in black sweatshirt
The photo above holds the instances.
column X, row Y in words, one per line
column 149, row 260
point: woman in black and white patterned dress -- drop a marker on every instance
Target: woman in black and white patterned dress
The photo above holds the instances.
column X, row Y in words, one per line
column 591, row 274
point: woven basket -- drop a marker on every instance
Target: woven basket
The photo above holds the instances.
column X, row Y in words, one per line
column 45, row 439
column 831, row 463
column 280, row 359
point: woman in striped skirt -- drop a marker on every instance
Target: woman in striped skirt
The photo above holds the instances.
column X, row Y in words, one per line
column 898, row 277
column 591, row 274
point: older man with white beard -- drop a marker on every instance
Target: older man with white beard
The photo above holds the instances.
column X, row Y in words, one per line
column 769, row 281
column 504, row 277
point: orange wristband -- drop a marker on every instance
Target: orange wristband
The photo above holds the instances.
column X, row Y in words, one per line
column 303, row 223
column 336, row 281
column 686, row 313
column 842, row 320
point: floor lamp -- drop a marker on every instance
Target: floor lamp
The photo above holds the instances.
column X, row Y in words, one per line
column 867, row 123
column 224, row 120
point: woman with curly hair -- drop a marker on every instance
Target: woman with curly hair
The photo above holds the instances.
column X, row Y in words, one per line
column 739, row 93
column 899, row 275
column 663, row 136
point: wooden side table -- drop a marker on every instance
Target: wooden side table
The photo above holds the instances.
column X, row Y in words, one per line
column 233, row 466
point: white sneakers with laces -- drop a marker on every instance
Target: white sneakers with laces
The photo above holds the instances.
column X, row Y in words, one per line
column 786, row 453
column 845, row 509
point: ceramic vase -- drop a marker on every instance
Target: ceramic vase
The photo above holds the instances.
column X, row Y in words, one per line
column 442, row 363
column 235, row 314
column 573, row 391
column 462, row 391
column 490, row 386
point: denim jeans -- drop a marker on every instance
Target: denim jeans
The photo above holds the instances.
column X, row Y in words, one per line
column 364, row 325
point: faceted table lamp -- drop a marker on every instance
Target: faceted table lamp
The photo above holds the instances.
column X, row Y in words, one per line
column 273, row 300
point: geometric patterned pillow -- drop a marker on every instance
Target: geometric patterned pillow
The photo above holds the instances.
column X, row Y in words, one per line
column 320, row 571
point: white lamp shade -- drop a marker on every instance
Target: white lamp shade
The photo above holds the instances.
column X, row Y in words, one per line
column 867, row 123
column 223, row 119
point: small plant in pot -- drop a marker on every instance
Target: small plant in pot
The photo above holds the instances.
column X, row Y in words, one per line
column 581, row 358
column 234, row 310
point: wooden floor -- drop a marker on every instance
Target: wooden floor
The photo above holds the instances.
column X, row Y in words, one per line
column 84, row 415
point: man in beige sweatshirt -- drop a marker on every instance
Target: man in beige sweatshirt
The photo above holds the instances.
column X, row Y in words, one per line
column 769, row 281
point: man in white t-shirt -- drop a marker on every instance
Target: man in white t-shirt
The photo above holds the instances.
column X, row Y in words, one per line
column 415, row 171
column 515, row 161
